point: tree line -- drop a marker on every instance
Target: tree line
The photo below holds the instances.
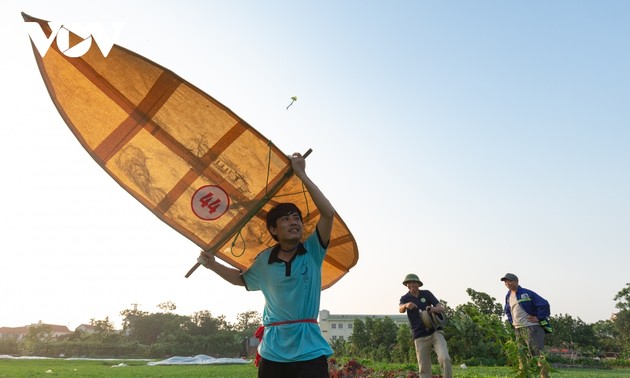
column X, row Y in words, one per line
column 160, row 334
column 476, row 333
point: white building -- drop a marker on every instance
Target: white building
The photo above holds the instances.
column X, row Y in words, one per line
column 336, row 326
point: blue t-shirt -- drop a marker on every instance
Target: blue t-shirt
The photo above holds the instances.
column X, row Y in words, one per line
column 292, row 292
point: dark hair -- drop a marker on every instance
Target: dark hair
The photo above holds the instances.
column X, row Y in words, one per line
column 279, row 211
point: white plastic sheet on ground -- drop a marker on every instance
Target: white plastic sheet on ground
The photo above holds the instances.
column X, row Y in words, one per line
column 200, row 359
column 9, row 357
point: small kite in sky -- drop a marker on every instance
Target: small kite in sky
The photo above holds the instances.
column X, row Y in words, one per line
column 293, row 99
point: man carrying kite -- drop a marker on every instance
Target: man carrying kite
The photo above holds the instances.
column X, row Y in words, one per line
column 289, row 276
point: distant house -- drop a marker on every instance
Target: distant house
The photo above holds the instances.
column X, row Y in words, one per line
column 19, row 333
column 58, row 330
column 86, row 329
column 13, row 332
column 339, row 326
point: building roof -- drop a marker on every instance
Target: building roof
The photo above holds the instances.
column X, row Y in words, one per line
column 55, row 328
column 13, row 330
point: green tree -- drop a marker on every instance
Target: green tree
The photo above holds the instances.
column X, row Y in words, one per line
column 622, row 319
column 9, row 345
column 35, row 341
column 247, row 323
column 475, row 332
column 373, row 338
column 383, row 339
column 206, row 324
column 623, row 298
column 39, row 332
column 405, row 350
column 149, row 328
column 129, row 315
column 167, row 306
column 104, row 326
column 359, row 340
column 486, row 304
column 104, row 331
column 607, row 338
column 339, row 347
column 572, row 334
column 215, row 336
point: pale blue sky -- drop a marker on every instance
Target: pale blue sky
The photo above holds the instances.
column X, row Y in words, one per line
column 458, row 140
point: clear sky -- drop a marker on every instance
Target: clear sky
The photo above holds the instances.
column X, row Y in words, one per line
column 458, row 140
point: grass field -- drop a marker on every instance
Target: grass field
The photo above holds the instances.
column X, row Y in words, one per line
column 20, row 368
column 113, row 368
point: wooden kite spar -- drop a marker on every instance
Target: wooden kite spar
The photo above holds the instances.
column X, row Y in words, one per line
column 185, row 156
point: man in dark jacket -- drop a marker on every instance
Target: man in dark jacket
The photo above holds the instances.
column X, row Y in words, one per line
column 525, row 310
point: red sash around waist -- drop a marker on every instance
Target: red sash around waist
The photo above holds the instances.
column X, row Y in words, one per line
column 261, row 330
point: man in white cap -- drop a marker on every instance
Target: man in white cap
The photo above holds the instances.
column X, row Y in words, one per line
column 527, row 312
column 422, row 306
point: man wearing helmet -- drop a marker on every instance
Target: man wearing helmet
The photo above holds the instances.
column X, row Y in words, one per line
column 423, row 311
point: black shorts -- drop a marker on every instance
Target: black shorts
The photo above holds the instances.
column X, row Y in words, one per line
column 315, row 368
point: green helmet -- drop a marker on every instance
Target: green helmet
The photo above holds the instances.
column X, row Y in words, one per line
column 411, row 277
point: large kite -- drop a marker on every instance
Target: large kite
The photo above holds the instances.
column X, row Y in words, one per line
column 185, row 156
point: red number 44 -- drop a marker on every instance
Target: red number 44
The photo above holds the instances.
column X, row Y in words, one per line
column 206, row 201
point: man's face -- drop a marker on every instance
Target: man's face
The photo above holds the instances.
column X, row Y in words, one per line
column 413, row 286
column 288, row 228
column 511, row 285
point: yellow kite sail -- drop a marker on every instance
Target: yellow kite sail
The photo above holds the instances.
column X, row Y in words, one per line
column 186, row 157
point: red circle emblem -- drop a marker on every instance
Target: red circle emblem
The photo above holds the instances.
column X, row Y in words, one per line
column 210, row 202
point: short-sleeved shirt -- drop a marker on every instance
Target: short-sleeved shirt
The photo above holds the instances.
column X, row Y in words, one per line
column 425, row 298
column 292, row 292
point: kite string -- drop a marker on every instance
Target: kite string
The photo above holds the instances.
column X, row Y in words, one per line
column 308, row 211
column 238, row 233
column 268, row 170
column 234, row 243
